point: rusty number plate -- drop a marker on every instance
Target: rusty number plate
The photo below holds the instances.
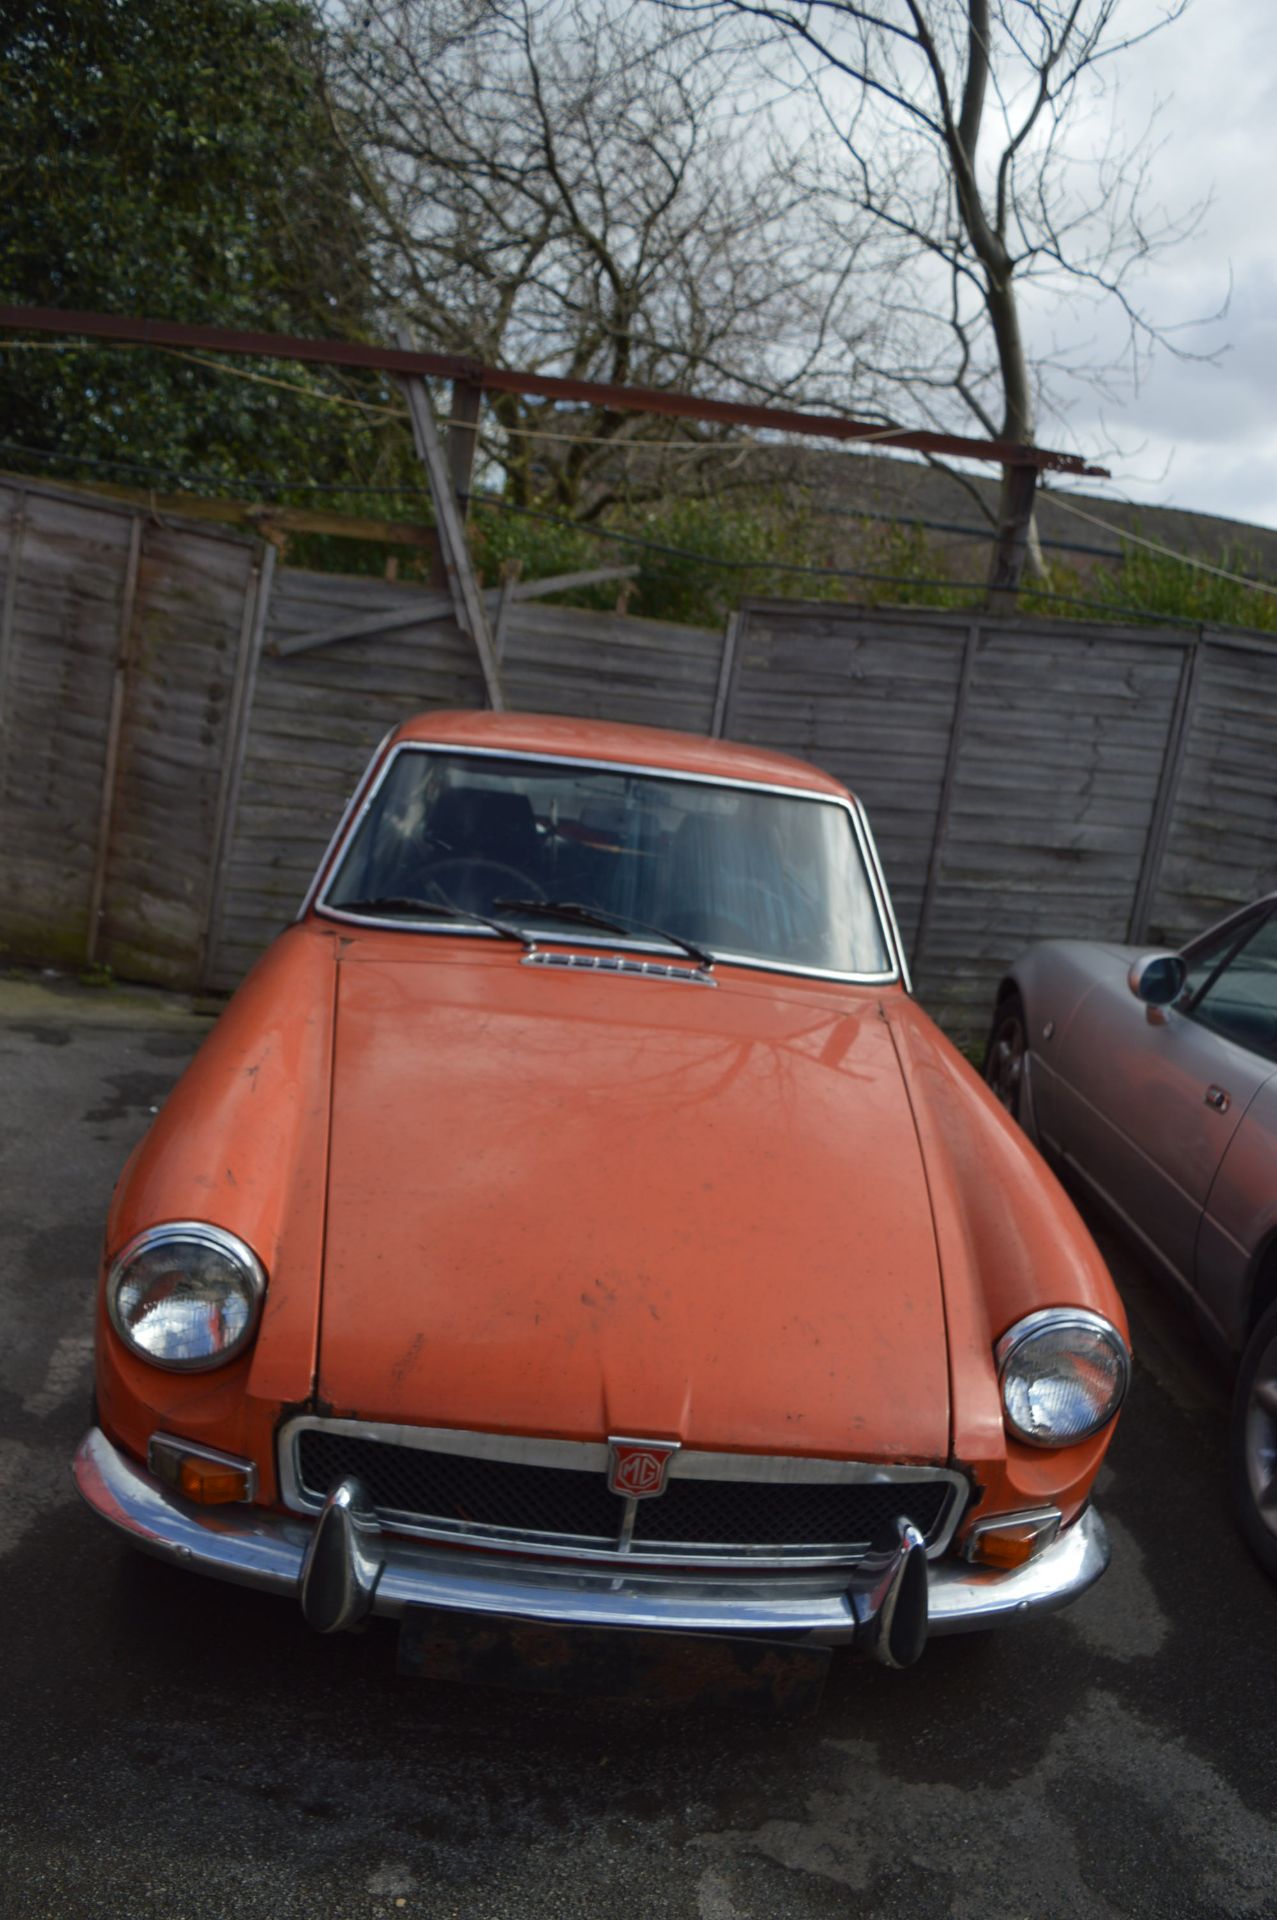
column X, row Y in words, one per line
column 783, row 1677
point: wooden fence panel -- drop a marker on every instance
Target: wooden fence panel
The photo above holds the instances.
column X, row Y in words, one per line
column 1062, row 748
column 193, row 602
column 65, row 565
column 1011, row 770
column 162, row 760
column 608, row 666
column 870, row 700
column 1222, row 845
column 315, row 719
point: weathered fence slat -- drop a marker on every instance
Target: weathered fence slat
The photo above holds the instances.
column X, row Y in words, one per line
column 730, row 632
column 952, row 759
column 413, row 613
column 429, row 607
column 1167, row 786
column 114, row 725
column 13, row 568
column 568, row 582
column 505, row 606
column 256, row 603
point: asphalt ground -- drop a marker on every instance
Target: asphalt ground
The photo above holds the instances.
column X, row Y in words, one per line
column 170, row 1747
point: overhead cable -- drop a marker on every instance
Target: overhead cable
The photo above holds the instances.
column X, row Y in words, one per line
column 1168, row 553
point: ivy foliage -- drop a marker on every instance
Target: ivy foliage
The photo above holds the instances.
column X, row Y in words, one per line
column 174, row 161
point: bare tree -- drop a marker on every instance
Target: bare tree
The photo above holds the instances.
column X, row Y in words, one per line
column 977, row 139
column 566, row 186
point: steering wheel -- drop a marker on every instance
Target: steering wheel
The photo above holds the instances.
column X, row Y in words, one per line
column 435, row 874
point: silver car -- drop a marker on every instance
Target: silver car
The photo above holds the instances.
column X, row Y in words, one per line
column 1153, row 1078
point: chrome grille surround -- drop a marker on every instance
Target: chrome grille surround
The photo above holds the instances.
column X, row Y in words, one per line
column 464, row 1458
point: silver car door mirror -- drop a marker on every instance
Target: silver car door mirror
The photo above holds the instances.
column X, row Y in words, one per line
column 1157, row 978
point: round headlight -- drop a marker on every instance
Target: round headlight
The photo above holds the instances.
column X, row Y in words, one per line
column 186, row 1296
column 1063, row 1374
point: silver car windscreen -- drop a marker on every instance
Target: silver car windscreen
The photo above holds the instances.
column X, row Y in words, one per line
column 766, row 875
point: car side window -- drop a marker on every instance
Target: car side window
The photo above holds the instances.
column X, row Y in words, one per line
column 1206, row 957
column 1235, row 993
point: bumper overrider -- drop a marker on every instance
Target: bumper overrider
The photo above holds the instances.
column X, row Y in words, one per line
column 344, row 1566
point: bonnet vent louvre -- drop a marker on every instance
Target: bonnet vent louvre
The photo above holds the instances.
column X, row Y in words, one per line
column 614, row 963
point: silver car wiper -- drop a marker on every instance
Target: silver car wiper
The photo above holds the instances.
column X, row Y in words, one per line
column 448, row 909
column 583, row 916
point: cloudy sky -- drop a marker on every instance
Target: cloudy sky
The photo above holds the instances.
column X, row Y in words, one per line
column 1204, row 436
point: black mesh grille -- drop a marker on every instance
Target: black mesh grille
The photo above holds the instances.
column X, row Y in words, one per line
column 763, row 1513
column 690, row 1514
column 450, row 1486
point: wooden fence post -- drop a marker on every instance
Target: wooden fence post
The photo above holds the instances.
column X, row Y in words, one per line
column 463, row 438
column 235, row 749
column 505, row 606
column 472, row 616
column 1167, row 785
column 731, row 634
column 13, row 566
column 969, row 650
column 114, row 726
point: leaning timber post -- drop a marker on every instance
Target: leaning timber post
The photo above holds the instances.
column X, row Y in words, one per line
column 463, row 437
column 1011, row 545
column 471, row 614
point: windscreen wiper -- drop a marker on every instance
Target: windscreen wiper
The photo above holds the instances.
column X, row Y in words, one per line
column 583, row 916
column 447, row 909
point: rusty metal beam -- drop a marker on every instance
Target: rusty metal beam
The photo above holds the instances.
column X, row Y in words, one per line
column 407, row 364
column 260, row 516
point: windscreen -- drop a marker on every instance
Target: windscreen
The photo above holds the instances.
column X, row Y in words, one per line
column 736, row 870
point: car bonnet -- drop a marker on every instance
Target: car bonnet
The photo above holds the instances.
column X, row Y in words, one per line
column 579, row 1204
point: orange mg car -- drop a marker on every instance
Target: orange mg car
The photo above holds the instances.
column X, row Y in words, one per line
column 573, row 1219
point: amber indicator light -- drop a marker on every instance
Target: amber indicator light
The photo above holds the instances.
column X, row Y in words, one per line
column 1015, row 1543
column 1010, row 1549
column 210, row 1483
column 208, row 1479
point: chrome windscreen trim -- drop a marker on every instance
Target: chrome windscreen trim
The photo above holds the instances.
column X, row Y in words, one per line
column 360, row 799
column 592, row 1456
column 370, row 787
column 886, row 909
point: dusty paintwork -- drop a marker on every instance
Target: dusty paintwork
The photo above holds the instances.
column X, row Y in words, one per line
column 782, row 1216
column 350, row 1788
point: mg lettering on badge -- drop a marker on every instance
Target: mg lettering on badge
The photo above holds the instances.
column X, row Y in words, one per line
column 638, row 1469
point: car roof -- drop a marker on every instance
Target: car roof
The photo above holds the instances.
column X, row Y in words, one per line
column 610, row 740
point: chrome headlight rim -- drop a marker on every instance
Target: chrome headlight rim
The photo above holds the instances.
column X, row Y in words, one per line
column 1060, row 1320
column 203, row 1233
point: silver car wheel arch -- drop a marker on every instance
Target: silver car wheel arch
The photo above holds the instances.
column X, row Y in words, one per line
column 1009, row 1062
column 1260, row 1435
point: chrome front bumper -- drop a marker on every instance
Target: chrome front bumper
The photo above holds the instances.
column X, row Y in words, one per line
column 255, row 1548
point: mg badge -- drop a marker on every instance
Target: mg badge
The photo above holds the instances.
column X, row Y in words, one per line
column 637, row 1469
